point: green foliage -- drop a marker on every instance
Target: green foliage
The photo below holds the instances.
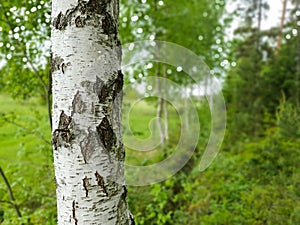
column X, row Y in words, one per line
column 26, row 158
column 24, row 45
column 254, row 180
column 184, row 23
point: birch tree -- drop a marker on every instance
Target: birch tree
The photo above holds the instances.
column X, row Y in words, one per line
column 87, row 94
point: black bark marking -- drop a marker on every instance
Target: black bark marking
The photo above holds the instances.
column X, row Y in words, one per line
column 109, row 90
column 56, row 20
column 86, row 186
column 87, row 11
column 74, row 212
column 98, row 89
column 132, row 222
column 106, row 134
column 118, row 84
column 108, row 24
column 122, row 206
column 89, row 144
column 78, row 104
column 100, row 182
column 64, row 67
column 97, row 6
column 55, row 181
column 124, row 194
column 79, row 22
column 55, row 64
column 64, row 134
column 60, row 22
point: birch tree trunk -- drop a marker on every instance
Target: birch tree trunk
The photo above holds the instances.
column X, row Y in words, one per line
column 87, row 95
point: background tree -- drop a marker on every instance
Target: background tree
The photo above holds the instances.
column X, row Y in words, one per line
column 25, row 49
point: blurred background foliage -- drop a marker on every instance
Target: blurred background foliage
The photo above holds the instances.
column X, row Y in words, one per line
column 256, row 177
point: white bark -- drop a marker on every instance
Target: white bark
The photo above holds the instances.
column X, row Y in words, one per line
column 87, row 84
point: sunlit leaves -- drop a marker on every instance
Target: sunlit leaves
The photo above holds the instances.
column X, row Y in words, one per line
column 24, row 46
column 196, row 25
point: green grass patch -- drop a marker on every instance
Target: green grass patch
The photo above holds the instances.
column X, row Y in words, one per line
column 24, row 127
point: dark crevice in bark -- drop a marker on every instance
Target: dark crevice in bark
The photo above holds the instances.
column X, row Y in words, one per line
column 74, row 212
column 64, row 67
column 109, row 140
column 109, row 25
column 87, row 11
column 86, row 186
column 106, row 133
column 99, row 90
column 55, row 63
column 108, row 92
column 79, row 22
column 118, row 84
column 64, row 134
column 48, row 99
column 100, row 182
column 122, row 205
column 124, row 194
column 97, row 6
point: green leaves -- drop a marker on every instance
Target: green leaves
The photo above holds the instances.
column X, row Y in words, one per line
column 24, row 45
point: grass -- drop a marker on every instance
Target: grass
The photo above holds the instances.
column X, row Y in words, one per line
column 27, row 159
column 140, row 132
column 21, row 127
column 23, row 123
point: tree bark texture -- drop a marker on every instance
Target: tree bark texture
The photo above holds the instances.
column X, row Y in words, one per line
column 87, row 96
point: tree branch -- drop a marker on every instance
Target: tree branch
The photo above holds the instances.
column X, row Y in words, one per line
column 10, row 193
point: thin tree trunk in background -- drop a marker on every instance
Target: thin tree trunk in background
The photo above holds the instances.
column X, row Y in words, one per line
column 159, row 110
column 160, row 103
column 87, row 96
column 186, row 110
column 10, row 193
column 279, row 39
column 259, row 23
column 165, row 106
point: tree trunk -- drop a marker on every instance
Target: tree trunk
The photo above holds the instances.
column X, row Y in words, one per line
column 159, row 110
column 165, row 106
column 87, row 97
column 279, row 40
column 259, row 24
